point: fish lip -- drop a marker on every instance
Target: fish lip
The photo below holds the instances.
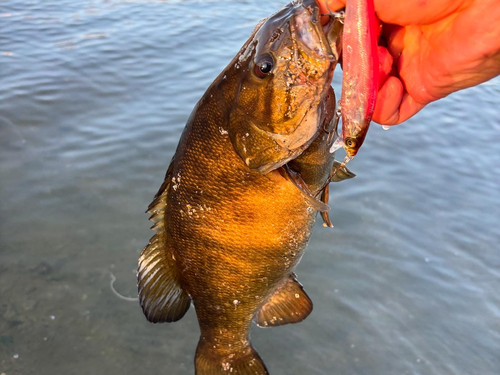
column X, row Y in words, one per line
column 333, row 38
column 312, row 7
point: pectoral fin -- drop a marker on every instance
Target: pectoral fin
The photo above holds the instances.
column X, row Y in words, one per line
column 160, row 294
column 289, row 304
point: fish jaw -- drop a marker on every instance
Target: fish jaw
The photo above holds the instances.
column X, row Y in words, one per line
column 361, row 73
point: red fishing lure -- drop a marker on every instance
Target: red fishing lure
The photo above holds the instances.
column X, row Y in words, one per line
column 360, row 74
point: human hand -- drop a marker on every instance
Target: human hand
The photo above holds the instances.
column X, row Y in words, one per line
column 430, row 49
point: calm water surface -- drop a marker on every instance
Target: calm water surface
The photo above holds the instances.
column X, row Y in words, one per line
column 93, row 98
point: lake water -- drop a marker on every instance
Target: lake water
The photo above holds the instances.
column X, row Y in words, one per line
column 93, row 98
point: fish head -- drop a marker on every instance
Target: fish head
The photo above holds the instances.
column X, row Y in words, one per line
column 287, row 67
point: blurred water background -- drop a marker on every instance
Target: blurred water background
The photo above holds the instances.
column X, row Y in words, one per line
column 93, row 98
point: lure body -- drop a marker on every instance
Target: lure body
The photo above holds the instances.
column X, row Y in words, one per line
column 360, row 73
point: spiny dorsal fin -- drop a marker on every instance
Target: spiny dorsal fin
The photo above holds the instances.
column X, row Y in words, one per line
column 160, row 294
column 289, row 304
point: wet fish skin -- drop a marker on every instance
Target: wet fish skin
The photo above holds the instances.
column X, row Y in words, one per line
column 230, row 223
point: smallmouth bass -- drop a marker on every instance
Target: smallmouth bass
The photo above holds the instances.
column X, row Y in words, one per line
column 242, row 192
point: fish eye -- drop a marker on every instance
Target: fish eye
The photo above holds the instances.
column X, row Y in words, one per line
column 263, row 65
column 350, row 142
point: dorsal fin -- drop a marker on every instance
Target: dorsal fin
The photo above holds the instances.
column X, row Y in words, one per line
column 289, row 304
column 160, row 294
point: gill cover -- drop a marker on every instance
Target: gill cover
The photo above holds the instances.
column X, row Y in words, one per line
column 286, row 68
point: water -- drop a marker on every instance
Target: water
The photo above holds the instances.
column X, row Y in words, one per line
column 93, row 98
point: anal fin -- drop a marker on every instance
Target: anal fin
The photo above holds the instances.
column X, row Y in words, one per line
column 160, row 294
column 289, row 304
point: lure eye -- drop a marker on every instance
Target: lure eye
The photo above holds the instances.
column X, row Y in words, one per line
column 263, row 65
column 350, row 142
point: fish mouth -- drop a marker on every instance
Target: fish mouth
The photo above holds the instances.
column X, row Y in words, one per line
column 307, row 20
column 318, row 46
column 316, row 62
column 333, row 31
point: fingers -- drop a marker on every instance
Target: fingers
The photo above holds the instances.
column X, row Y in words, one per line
column 408, row 108
column 385, row 62
column 390, row 92
column 394, row 104
column 394, row 38
column 389, row 100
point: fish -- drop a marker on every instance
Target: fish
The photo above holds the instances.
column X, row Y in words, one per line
column 241, row 194
column 360, row 81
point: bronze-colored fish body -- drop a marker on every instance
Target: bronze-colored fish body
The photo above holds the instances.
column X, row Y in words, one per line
column 234, row 214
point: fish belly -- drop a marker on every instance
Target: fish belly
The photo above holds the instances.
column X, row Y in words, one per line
column 236, row 235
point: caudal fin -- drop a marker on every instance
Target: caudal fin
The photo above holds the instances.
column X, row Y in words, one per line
column 212, row 361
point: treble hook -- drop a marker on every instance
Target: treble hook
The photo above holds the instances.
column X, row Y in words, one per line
column 336, row 120
column 339, row 142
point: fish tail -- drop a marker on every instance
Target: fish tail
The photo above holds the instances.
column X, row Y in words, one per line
column 212, row 360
